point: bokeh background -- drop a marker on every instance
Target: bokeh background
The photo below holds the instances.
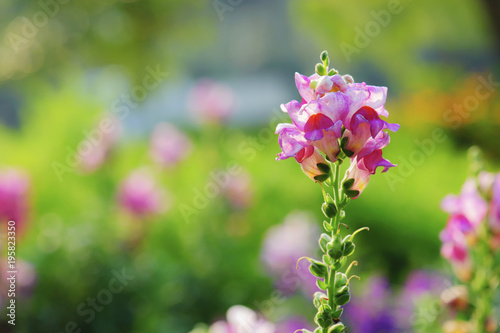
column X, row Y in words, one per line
column 136, row 141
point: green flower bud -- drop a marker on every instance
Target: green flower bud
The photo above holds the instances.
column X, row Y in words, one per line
column 338, row 264
column 337, row 328
column 318, row 268
column 329, row 209
column 335, row 248
column 342, row 296
column 340, row 280
column 324, row 58
column 348, row 248
column 332, row 72
column 320, row 69
column 323, row 318
column 323, row 242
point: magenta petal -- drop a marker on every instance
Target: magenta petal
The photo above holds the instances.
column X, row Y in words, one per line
column 303, row 86
column 291, row 140
column 335, row 105
column 374, row 160
column 377, row 98
column 315, row 126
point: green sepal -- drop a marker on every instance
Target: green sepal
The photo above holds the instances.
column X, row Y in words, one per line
column 321, row 178
column 340, row 280
column 329, row 209
column 318, row 268
column 332, row 72
column 321, row 284
column 338, row 264
column 352, row 193
column 319, row 299
column 348, row 248
column 348, row 184
column 323, row 318
column 327, row 260
column 347, row 152
column 323, row 242
column 320, row 69
column 323, row 167
column 342, row 296
column 328, row 227
column 337, row 328
column 343, row 142
column 336, row 314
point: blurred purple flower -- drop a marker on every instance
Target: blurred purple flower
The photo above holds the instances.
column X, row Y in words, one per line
column 169, row 145
column 418, row 284
column 240, row 319
column 284, row 244
column 95, row 149
column 140, row 195
column 210, row 101
column 14, row 187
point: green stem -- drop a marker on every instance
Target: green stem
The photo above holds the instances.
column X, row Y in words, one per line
column 480, row 285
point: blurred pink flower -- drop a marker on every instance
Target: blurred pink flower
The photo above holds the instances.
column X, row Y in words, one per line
column 283, row 245
column 239, row 190
column 210, row 101
column 95, row 149
column 169, row 145
column 140, row 195
column 240, row 319
column 14, row 187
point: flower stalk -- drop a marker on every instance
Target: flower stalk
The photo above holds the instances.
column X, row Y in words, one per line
column 337, row 120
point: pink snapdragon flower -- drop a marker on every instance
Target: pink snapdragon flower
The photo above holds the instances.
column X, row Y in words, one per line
column 335, row 110
column 240, row 319
column 169, row 146
column 140, row 195
column 239, row 190
column 14, row 188
column 96, row 148
column 211, row 102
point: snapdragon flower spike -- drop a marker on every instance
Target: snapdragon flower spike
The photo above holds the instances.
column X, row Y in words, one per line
column 336, row 119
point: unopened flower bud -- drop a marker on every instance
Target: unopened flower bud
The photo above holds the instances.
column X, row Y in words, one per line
column 342, row 296
column 329, row 209
column 320, row 69
column 318, row 268
column 323, row 318
column 323, row 242
column 335, row 248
